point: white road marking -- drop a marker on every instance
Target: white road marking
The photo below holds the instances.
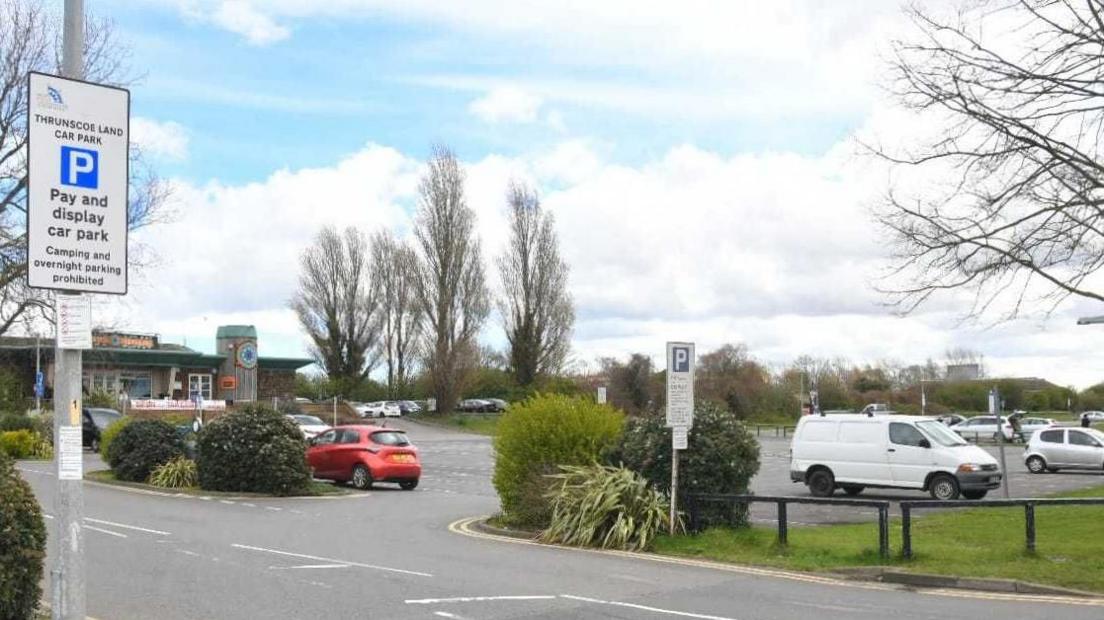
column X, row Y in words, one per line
column 330, row 560
column 128, row 527
column 48, row 516
column 655, row 610
column 445, row 614
column 309, row 566
column 249, row 505
column 186, row 552
column 273, row 508
column 226, row 501
column 476, row 599
column 102, row 531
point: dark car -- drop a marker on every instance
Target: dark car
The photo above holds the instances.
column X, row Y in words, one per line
column 93, row 423
column 363, row 455
column 497, row 404
column 408, row 406
column 471, row 405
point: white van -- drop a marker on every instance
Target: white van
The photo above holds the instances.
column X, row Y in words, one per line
column 852, row 452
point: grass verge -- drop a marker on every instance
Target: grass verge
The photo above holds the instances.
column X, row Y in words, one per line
column 978, row 542
column 481, row 424
column 316, row 488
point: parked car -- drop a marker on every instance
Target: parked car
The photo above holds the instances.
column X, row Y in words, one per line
column 1030, row 426
column 380, row 409
column 1094, row 416
column 364, row 455
column 853, row 452
column 983, row 427
column 469, row 405
column 1065, row 448
column 497, row 404
column 408, row 407
column 302, row 400
column 93, row 422
column 310, row 425
column 877, row 409
column 951, row 419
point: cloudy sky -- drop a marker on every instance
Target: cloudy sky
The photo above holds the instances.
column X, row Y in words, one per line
column 699, row 157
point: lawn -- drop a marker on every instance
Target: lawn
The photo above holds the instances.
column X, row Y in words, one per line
column 979, row 542
column 481, row 424
column 316, row 488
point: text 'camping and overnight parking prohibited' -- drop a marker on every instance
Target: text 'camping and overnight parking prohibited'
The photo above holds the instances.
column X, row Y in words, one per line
column 78, row 157
column 680, row 384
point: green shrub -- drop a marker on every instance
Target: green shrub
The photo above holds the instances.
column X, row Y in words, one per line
column 101, row 399
column 22, row 545
column 722, row 457
column 16, row 422
column 43, row 448
column 539, row 435
column 107, row 436
column 140, row 447
column 609, row 507
column 255, row 449
column 179, row 473
column 18, row 444
column 44, row 426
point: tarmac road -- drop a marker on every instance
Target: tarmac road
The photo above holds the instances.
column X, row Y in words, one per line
column 391, row 554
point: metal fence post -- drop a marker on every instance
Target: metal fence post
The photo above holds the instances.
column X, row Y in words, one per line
column 783, row 533
column 906, row 531
column 883, row 531
column 1029, row 518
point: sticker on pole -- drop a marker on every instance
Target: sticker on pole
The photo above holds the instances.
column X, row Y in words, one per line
column 679, row 439
column 78, row 167
column 74, row 321
column 680, row 384
column 70, row 454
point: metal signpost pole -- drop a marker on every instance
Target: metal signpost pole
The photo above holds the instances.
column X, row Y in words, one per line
column 69, row 594
column 680, row 410
column 995, row 409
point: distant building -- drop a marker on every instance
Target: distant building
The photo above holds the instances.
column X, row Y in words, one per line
column 963, row 372
column 146, row 369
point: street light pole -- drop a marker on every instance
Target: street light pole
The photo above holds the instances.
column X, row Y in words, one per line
column 67, row 576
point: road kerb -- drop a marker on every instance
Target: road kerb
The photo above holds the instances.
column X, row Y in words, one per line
column 476, row 527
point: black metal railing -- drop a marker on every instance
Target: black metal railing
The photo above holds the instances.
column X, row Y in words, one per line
column 780, row 430
column 695, row 501
column 1029, row 513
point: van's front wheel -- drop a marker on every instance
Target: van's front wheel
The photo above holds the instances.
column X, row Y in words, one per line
column 821, row 483
column 944, row 487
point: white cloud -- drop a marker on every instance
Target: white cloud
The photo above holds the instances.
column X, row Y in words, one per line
column 241, row 17
column 160, row 139
column 506, row 104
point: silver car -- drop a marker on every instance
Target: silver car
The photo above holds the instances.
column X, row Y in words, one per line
column 1065, row 448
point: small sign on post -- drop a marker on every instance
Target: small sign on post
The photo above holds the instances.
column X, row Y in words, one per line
column 601, row 396
column 680, row 410
column 74, row 321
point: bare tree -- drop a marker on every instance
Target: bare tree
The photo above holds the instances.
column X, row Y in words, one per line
column 450, row 288
column 394, row 276
column 335, row 306
column 1017, row 219
column 30, row 41
column 536, row 307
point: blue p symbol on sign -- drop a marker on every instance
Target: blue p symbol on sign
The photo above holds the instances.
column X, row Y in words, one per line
column 80, row 167
column 680, row 359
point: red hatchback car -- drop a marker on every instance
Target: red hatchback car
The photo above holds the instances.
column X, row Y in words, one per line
column 363, row 455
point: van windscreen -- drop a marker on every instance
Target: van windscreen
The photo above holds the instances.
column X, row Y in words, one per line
column 939, row 432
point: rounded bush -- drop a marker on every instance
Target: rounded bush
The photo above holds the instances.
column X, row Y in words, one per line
column 140, row 447
column 18, row 444
column 107, row 436
column 255, row 449
column 721, row 457
column 15, row 422
column 535, row 438
column 22, row 545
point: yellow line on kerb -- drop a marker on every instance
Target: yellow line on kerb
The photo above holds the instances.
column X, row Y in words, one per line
column 463, row 527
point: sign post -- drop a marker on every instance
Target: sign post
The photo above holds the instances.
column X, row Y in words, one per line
column 995, row 409
column 680, row 410
column 78, row 142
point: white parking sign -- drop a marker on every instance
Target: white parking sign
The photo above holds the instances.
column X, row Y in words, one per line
column 680, row 384
column 78, row 163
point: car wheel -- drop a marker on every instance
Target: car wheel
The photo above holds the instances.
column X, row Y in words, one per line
column 1036, row 465
column 975, row 494
column 852, row 489
column 822, row 483
column 408, row 485
column 362, row 478
column 944, row 487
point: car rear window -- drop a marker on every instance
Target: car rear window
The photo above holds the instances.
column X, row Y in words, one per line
column 1051, row 436
column 104, row 417
column 390, row 438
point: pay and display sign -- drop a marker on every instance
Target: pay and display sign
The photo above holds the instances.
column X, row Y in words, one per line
column 680, row 384
column 78, row 164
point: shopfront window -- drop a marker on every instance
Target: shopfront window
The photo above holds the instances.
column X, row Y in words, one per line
column 201, row 384
column 100, row 381
column 137, row 385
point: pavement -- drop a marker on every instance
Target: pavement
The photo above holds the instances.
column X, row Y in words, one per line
column 402, row 554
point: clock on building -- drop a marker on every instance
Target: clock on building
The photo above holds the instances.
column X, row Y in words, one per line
column 247, row 355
